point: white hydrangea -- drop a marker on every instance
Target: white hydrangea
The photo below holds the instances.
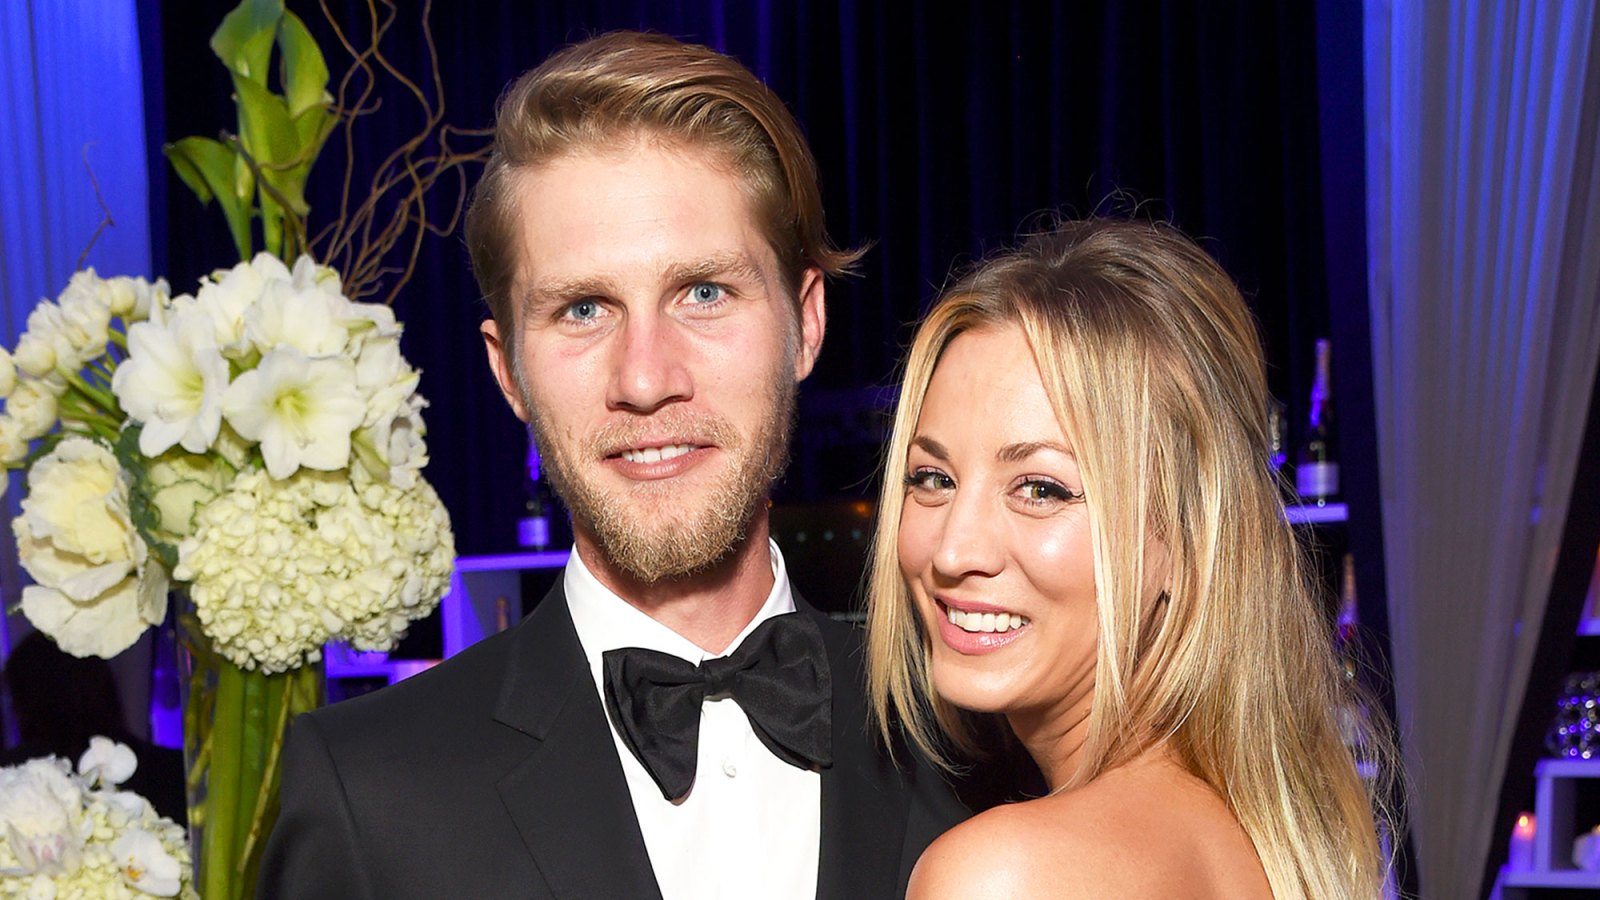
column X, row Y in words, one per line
column 279, row 568
column 65, row 840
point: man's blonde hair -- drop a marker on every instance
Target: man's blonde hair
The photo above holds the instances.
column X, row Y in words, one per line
column 619, row 87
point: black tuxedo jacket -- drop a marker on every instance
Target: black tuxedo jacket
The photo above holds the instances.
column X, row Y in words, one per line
column 495, row 774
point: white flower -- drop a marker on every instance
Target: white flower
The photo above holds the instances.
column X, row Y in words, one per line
column 308, row 274
column 308, row 320
column 134, row 298
column 301, row 410
column 46, row 339
column 225, row 300
column 145, row 863
column 36, row 354
column 33, row 406
column 85, row 319
column 97, row 586
column 41, row 816
column 172, row 383
column 8, row 373
column 385, row 379
column 13, row 446
column 279, row 568
column 394, row 450
column 107, row 762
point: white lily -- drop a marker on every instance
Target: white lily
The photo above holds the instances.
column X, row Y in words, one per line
column 307, row 320
column 301, row 410
column 226, row 300
column 173, row 382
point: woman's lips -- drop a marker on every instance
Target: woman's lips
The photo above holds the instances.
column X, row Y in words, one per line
column 979, row 628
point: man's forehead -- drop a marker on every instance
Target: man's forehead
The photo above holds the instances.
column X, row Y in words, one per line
column 627, row 214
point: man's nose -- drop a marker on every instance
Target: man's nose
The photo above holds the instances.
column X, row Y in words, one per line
column 649, row 368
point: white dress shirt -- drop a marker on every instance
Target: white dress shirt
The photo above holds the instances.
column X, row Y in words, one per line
column 749, row 825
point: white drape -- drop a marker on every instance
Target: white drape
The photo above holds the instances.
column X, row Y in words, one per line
column 71, row 90
column 1483, row 214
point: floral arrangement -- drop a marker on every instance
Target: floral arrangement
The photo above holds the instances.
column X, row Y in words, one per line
column 254, row 448
column 73, row 835
column 256, row 444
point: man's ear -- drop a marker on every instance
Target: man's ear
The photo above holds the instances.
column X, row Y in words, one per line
column 500, row 364
column 813, row 321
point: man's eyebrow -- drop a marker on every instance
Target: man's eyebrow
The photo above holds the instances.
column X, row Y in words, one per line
column 559, row 293
column 932, row 447
column 1020, row 451
column 724, row 265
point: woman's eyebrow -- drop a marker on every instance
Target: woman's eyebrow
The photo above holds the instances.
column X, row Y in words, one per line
column 1022, row 450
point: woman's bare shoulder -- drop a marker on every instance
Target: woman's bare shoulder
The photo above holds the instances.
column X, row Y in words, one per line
column 1136, row 833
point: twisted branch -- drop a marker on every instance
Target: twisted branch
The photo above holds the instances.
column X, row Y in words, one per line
column 395, row 212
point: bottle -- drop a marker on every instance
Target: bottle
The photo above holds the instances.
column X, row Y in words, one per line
column 533, row 528
column 1277, row 434
column 1317, row 465
column 1347, row 641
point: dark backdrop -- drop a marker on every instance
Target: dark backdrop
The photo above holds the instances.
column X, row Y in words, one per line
column 938, row 135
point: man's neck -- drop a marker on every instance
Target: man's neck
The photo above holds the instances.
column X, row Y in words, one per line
column 709, row 608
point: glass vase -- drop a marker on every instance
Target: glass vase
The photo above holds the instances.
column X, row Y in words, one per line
column 234, row 721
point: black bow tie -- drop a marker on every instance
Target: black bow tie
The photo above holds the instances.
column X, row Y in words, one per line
column 778, row 676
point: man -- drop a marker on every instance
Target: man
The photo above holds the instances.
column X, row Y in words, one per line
column 649, row 238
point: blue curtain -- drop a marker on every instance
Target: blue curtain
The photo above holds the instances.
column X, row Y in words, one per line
column 1483, row 210
column 71, row 85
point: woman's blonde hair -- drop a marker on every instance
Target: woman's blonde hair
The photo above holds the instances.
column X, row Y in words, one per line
column 1153, row 366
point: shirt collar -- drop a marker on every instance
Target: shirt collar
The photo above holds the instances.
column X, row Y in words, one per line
column 605, row 621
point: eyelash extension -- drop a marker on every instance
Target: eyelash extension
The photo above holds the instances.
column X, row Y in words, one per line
column 919, row 478
column 1064, row 494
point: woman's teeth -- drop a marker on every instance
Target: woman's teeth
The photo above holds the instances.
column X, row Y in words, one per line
column 656, row 454
column 986, row 622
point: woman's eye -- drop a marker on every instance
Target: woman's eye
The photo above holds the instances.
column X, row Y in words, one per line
column 1039, row 491
column 929, row 480
column 706, row 292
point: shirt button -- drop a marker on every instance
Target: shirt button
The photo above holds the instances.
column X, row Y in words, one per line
column 729, row 769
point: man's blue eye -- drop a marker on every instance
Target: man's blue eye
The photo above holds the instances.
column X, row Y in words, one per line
column 584, row 310
column 706, row 292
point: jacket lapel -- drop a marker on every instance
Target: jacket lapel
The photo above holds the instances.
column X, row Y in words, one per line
column 569, row 798
column 863, row 814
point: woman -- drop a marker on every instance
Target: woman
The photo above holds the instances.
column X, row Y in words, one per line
column 1079, row 533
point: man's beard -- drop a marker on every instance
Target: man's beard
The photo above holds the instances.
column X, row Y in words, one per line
column 643, row 529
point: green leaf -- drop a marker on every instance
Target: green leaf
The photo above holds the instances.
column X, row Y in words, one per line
column 305, row 74
column 141, row 511
column 269, row 136
column 265, row 127
column 244, row 39
column 188, row 159
column 207, row 167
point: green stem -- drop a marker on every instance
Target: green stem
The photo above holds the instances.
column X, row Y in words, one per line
column 118, row 338
column 222, row 785
column 254, row 748
column 99, row 396
column 280, row 701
